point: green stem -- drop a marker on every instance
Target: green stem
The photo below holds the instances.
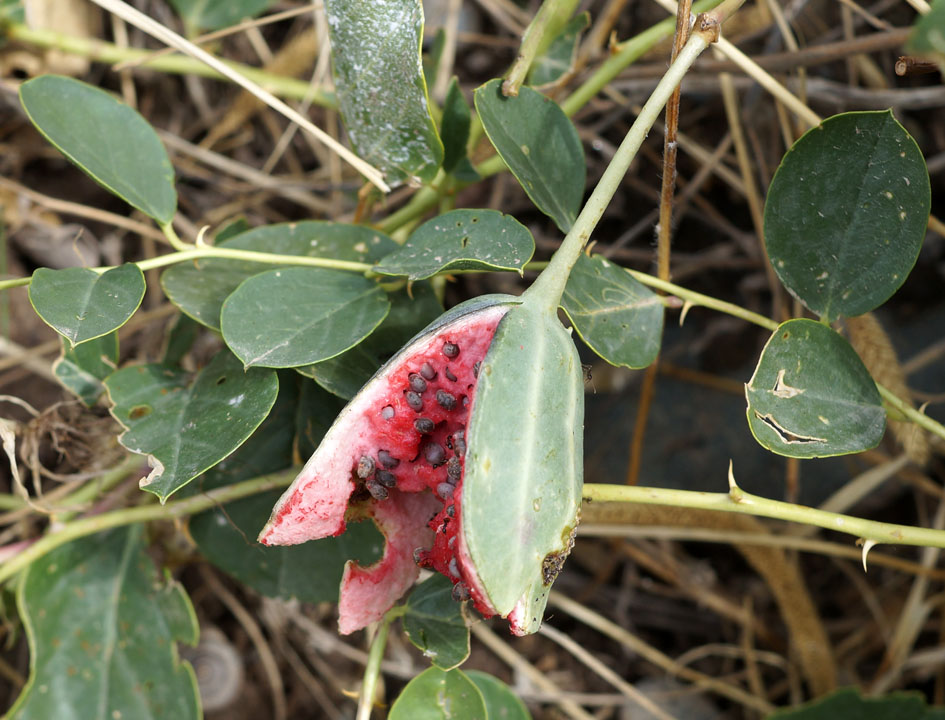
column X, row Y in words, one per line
column 96, row 487
column 15, row 282
column 547, row 23
column 10, row 502
column 372, row 670
column 104, row 52
column 173, row 238
column 127, row 516
column 549, row 286
column 738, row 501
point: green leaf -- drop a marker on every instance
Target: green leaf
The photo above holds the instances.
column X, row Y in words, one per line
column 540, row 145
column 199, row 288
column 102, row 627
column 928, row 34
column 216, row 14
column 310, row 572
column 523, row 467
column 846, row 213
column 847, row 704
column 83, row 368
column 439, row 695
column 345, row 374
column 12, row 11
column 187, row 425
column 454, row 127
column 434, row 623
column 501, row 702
column 297, row 316
column 108, row 140
column 811, row 396
column 81, row 304
column 375, row 50
column 179, row 338
column 561, row 54
column 462, row 240
column 619, row 318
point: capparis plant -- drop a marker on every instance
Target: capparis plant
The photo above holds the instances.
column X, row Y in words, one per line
column 450, row 441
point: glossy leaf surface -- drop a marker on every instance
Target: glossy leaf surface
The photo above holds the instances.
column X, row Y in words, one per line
column 540, row 145
column 811, row 396
column 297, row 316
column 83, row 368
column 846, row 213
column 618, row 317
column 375, row 49
column 462, row 240
column 108, row 140
column 439, row 695
column 501, row 702
column 102, row 627
column 81, row 304
column 187, row 425
column 434, row 623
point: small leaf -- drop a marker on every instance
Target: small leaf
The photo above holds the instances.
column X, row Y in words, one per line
column 501, row 702
column 298, row 316
column 439, row 695
column 108, row 140
column 846, row 213
column 102, row 627
column 561, row 54
column 619, row 318
column 83, row 368
column 462, row 240
column 434, row 623
column 199, row 288
column 217, row 14
column 811, row 396
column 454, row 127
column 375, row 49
column 927, row 36
column 81, row 304
column 540, row 145
column 848, row 704
column 187, row 426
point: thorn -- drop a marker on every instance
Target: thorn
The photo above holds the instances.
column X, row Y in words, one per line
column 200, row 242
column 734, row 492
column 867, row 546
column 685, row 311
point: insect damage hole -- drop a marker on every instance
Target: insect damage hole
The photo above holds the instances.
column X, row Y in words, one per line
column 786, row 436
column 782, row 389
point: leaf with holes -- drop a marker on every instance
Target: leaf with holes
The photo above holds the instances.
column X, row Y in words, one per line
column 81, row 304
column 439, row 695
column 619, row 318
column 462, row 240
column 186, row 425
column 102, row 627
column 846, row 213
column 811, row 396
column 434, row 623
column 83, row 368
column 540, row 145
column 375, row 51
column 501, row 702
column 108, row 140
column 298, row 316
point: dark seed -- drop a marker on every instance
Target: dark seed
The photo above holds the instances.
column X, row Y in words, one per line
column 386, row 478
column 446, row 400
column 444, row 490
column 460, row 592
column 449, row 376
column 459, row 443
column 427, row 371
column 414, row 401
column 454, row 471
column 365, row 467
column 451, row 350
column 434, row 453
column 423, row 425
column 476, row 366
column 378, row 491
column 454, row 568
column 387, row 460
column 387, row 413
column 417, row 383
column 451, row 510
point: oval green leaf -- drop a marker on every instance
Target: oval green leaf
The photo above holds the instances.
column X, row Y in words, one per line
column 434, row 623
column 81, row 304
column 108, row 140
column 298, row 316
column 523, row 471
column 83, row 368
column 439, row 695
column 811, row 396
column 619, row 318
column 454, row 127
column 187, row 425
column 199, row 288
column 375, row 50
column 462, row 240
column 846, row 213
column 501, row 702
column 216, row 14
column 102, row 626
column 540, row 145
